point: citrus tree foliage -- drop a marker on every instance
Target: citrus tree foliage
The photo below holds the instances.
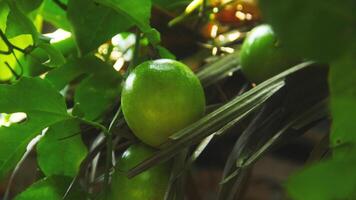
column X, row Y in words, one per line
column 36, row 75
column 309, row 33
column 60, row 149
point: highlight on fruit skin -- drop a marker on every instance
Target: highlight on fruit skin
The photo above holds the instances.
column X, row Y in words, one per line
column 159, row 98
column 149, row 185
column 262, row 55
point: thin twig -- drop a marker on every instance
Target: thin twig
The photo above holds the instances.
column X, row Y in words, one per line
column 9, row 45
column 109, row 148
column 12, row 70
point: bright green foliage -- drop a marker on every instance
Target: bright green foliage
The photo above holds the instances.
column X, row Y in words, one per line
column 44, row 107
column 52, row 188
column 150, row 185
column 21, row 41
column 17, row 23
column 61, row 150
column 4, row 12
column 161, row 97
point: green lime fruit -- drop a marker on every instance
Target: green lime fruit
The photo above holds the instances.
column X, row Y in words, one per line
column 262, row 56
column 149, row 185
column 159, row 98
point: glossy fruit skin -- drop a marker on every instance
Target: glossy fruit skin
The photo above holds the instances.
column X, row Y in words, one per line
column 149, row 185
column 159, row 98
column 261, row 55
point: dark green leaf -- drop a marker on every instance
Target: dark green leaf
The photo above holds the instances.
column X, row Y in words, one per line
column 43, row 105
column 26, row 6
column 61, row 76
column 52, row 13
column 56, row 58
column 52, row 188
column 90, row 30
column 329, row 180
column 165, row 53
column 137, row 11
column 315, row 29
column 98, row 93
column 171, row 4
column 61, row 150
column 343, row 98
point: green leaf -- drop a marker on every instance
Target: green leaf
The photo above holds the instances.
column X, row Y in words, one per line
column 27, row 6
column 18, row 23
column 165, row 53
column 317, row 29
column 56, row 58
column 153, row 36
column 4, row 12
column 74, row 68
column 137, row 11
column 171, row 4
column 98, row 93
column 343, row 97
column 52, row 13
column 61, row 150
column 52, row 188
column 43, row 105
column 329, row 180
column 90, row 30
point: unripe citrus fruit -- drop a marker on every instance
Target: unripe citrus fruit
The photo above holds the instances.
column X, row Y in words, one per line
column 262, row 56
column 161, row 97
column 149, row 185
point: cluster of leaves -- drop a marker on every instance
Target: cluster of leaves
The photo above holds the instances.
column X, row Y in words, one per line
column 51, row 126
column 324, row 31
column 320, row 31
